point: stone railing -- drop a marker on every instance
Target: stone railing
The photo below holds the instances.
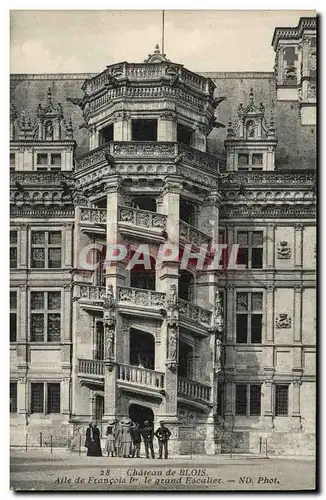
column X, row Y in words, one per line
column 90, row 367
column 144, row 71
column 195, row 313
column 142, row 218
column 192, row 234
column 151, row 149
column 194, row 390
column 90, row 292
column 271, row 178
column 140, row 376
column 140, row 297
column 93, row 215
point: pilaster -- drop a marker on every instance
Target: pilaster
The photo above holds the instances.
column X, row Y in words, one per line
column 298, row 245
column 23, row 246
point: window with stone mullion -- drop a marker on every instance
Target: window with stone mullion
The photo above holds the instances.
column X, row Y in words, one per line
column 249, row 317
column 46, row 249
column 45, row 316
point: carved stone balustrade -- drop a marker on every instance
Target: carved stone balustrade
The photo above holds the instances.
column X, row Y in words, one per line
column 140, row 376
column 193, row 390
column 193, row 235
column 140, row 297
column 90, row 367
column 142, row 218
column 194, row 313
column 91, row 293
column 142, row 150
column 93, row 215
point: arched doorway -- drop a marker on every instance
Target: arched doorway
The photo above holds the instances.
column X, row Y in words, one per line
column 142, row 349
column 139, row 414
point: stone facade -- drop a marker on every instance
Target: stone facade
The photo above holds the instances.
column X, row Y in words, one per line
column 226, row 357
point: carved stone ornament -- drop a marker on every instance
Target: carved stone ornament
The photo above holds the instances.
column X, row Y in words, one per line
column 109, row 341
column 218, row 353
column 173, row 344
column 217, row 316
column 283, row 250
column 283, row 320
column 172, row 306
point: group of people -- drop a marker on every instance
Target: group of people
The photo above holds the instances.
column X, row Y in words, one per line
column 124, row 437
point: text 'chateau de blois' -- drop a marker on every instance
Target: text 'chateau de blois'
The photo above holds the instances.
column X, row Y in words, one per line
column 152, row 153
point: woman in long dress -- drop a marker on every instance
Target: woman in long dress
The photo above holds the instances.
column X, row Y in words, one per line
column 127, row 445
column 110, row 440
column 97, row 442
column 89, row 443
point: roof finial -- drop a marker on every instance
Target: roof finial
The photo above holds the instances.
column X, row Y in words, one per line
column 251, row 96
column 157, row 49
column 49, row 95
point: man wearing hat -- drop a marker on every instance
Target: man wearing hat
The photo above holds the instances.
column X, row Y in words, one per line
column 148, row 435
column 163, row 434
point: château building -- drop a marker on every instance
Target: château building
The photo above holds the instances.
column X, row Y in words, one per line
column 153, row 153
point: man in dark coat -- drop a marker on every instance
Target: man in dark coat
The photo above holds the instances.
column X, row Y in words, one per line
column 89, row 443
column 163, row 434
column 136, row 439
column 97, row 442
column 148, row 434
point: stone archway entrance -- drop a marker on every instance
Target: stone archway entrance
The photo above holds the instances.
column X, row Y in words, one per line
column 139, row 414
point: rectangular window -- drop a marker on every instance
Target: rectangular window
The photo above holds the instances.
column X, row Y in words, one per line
column 220, row 399
column 45, row 316
column 248, row 400
column 249, row 307
column 106, row 134
column 55, row 159
column 255, row 399
column 250, row 251
column 53, row 402
column 13, row 397
column 46, row 249
column 13, row 249
column 243, row 161
column 42, row 159
column 184, row 134
column 257, row 160
column 13, row 316
column 281, row 400
column 12, row 159
column 241, row 400
column 37, row 397
column 144, row 130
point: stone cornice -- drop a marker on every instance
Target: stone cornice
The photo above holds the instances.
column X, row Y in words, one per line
column 294, row 33
column 43, row 144
column 271, row 178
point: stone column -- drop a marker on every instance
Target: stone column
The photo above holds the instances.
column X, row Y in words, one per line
column 297, row 326
column 268, row 403
column 114, row 272
column 22, row 396
column 168, row 280
column 122, row 127
column 65, row 396
column 270, row 246
column 167, row 127
column 298, row 235
column 23, row 247
column 67, row 245
column 296, row 414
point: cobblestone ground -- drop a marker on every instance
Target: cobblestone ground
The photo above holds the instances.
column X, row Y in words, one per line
column 40, row 470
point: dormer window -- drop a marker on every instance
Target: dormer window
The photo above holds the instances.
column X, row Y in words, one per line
column 48, row 161
column 250, row 161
